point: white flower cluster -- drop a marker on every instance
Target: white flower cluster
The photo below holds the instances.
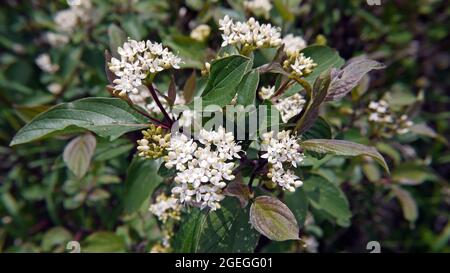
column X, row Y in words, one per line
column 44, row 62
column 202, row 167
column 55, row 88
column 290, row 106
column 380, row 113
column 259, row 7
column 67, row 20
column 282, row 152
column 293, row 45
column 302, row 65
column 189, row 118
column 166, row 207
column 138, row 59
column 250, row 34
column 266, row 92
column 56, row 39
column 200, row 33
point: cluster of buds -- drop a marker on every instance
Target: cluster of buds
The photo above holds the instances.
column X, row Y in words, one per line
column 154, row 143
column 293, row 45
column 166, row 207
column 389, row 122
column 201, row 33
column 259, row 7
column 299, row 66
column 288, row 106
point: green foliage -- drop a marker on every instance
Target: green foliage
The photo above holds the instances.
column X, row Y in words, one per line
column 71, row 185
column 103, row 116
column 142, row 179
column 225, row 230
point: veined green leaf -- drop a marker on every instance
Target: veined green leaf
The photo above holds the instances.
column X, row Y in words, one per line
column 224, row 230
column 246, row 90
column 328, row 198
column 225, row 76
column 273, row 219
column 344, row 148
column 142, row 179
column 107, row 117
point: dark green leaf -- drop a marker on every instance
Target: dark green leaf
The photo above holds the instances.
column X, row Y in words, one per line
column 225, row 76
column 106, row 117
column 142, row 179
column 328, row 198
column 224, row 230
column 247, row 88
column 103, row 242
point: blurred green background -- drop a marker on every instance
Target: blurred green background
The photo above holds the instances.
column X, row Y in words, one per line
column 43, row 205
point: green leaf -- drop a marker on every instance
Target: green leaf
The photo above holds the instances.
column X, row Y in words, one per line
column 407, row 203
column 319, row 130
column 412, row 173
column 107, row 117
column 225, row 76
column 117, row 37
column 283, row 10
column 273, row 219
column 298, row 202
column 224, row 230
column 247, row 88
column 328, row 198
column 57, row 236
column 344, row 148
column 103, row 242
column 163, row 171
column 191, row 51
column 78, row 154
column 141, row 181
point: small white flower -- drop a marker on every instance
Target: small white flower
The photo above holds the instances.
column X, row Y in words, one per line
column 44, row 62
column 293, row 45
column 200, row 33
column 56, row 39
column 66, row 20
column 165, row 208
column 303, row 65
column 290, row 106
column 55, row 88
column 259, row 7
column 266, row 92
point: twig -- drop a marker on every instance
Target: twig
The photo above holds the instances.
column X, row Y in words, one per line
column 158, row 102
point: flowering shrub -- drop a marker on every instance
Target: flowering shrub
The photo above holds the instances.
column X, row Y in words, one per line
column 230, row 137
